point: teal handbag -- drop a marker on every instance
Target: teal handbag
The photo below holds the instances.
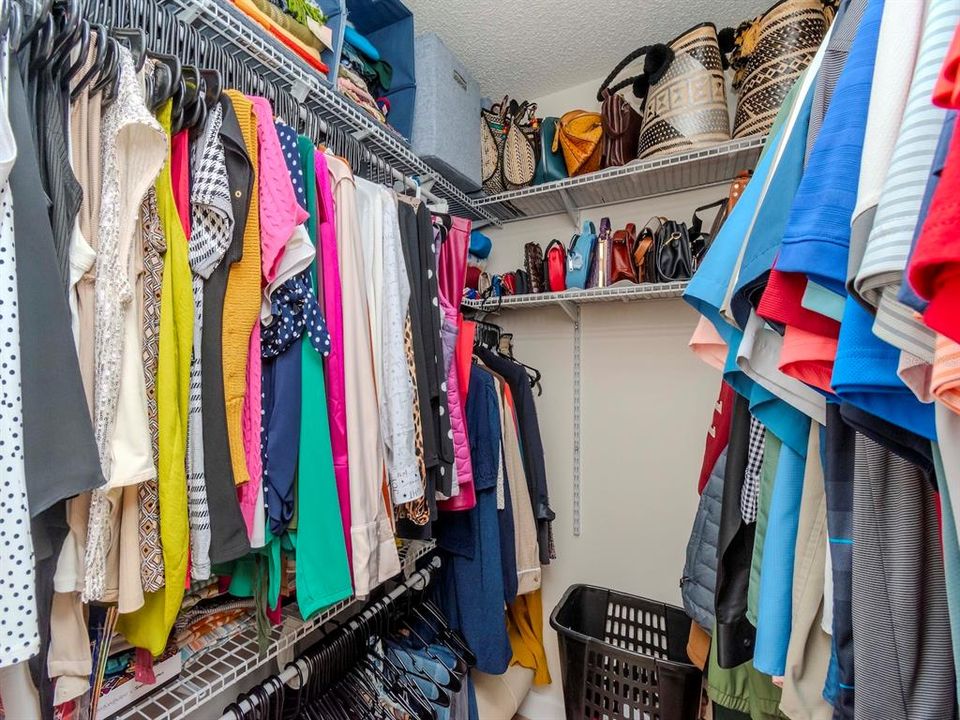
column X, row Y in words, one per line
column 579, row 256
column 551, row 165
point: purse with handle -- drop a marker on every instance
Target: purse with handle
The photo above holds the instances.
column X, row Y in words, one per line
column 520, row 146
column 556, row 266
column 674, row 260
column 644, row 256
column 580, row 136
column 493, row 137
column 621, row 129
column 533, row 264
column 600, row 263
column 579, row 256
column 550, row 162
column 622, row 264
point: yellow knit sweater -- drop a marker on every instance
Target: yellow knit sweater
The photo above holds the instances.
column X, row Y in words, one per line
column 241, row 305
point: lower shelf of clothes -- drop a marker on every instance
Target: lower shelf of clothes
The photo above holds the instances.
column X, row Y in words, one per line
column 210, row 673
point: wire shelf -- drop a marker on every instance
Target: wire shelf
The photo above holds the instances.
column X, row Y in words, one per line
column 616, row 293
column 240, row 36
column 647, row 178
column 211, row 672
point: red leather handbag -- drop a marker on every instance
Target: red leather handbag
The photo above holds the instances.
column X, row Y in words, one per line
column 556, row 266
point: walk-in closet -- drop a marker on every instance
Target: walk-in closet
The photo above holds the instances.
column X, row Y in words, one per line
column 448, row 360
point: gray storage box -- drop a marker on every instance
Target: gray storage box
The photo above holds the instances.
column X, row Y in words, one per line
column 446, row 125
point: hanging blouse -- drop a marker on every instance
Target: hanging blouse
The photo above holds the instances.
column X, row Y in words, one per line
column 150, row 626
column 396, row 398
column 17, row 581
column 228, row 530
column 210, row 237
column 329, row 266
column 374, row 550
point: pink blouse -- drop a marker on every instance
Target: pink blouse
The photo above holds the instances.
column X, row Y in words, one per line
column 333, row 313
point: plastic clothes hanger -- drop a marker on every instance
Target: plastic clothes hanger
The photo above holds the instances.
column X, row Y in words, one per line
column 82, row 53
column 136, row 40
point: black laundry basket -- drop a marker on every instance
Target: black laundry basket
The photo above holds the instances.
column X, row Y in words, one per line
column 624, row 657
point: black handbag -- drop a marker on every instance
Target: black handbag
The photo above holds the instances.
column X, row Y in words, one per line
column 669, row 257
column 674, row 256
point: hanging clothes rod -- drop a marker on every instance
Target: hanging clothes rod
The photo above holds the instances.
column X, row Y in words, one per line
column 164, row 32
column 300, row 669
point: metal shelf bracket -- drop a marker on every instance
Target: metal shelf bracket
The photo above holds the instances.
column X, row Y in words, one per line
column 570, row 207
column 571, row 309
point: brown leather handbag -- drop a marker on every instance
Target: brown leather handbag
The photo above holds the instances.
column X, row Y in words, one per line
column 645, row 256
column 621, row 129
column 622, row 263
column 770, row 52
column 533, row 264
column 580, row 135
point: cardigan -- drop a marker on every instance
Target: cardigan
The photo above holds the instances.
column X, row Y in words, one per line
column 241, row 304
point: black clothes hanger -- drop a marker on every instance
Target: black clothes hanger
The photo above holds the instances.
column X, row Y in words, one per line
column 39, row 11
column 136, row 40
column 67, row 16
column 98, row 34
column 82, row 52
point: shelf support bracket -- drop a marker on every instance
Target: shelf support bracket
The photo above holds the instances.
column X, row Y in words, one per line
column 189, row 13
column 572, row 211
column 300, row 90
column 571, row 309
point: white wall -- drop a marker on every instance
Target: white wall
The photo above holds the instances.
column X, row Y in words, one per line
column 646, row 405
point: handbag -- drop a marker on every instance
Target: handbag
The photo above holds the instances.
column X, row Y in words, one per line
column 523, row 282
column 622, row 264
column 520, row 146
column 644, row 257
column 700, row 241
column 600, row 263
column 556, row 266
column 493, row 137
column 621, row 129
column 579, row 255
column 770, row 52
column 509, row 282
column 533, row 264
column 580, row 135
column 674, row 260
column 550, row 163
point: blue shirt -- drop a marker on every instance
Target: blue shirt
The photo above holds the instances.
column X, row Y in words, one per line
column 817, row 239
column 865, row 375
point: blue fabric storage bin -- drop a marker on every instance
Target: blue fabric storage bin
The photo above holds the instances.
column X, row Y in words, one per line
column 446, row 128
column 335, row 12
column 388, row 25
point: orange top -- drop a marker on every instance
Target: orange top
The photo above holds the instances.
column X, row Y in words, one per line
column 946, row 93
column 241, row 304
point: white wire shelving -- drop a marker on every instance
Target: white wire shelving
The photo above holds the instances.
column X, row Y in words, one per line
column 614, row 293
column 641, row 179
column 239, row 36
column 213, row 671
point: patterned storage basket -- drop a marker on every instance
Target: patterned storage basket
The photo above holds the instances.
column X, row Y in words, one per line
column 771, row 53
column 686, row 108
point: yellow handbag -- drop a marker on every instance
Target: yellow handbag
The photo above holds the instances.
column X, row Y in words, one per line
column 580, row 134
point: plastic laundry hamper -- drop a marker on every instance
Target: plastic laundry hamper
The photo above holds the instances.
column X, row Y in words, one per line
column 624, row 657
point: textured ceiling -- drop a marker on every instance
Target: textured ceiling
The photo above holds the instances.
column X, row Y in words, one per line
column 530, row 48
